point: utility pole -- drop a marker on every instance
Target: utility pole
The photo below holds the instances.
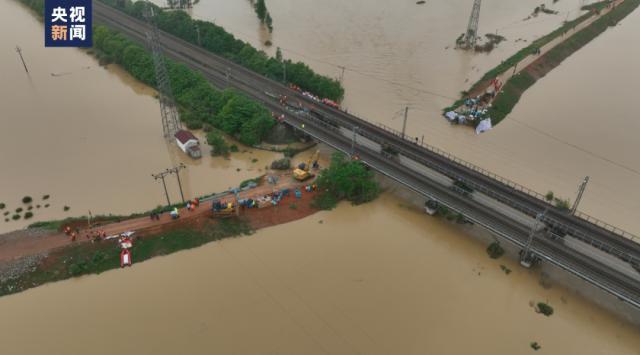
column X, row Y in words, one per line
column 353, row 141
column 19, row 50
column 581, row 189
column 471, row 35
column 176, row 170
column 198, row 33
column 161, row 176
column 524, row 257
column 404, row 123
column 284, row 72
column 341, row 73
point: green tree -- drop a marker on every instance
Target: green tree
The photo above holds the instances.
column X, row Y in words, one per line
column 261, row 9
column 347, row 179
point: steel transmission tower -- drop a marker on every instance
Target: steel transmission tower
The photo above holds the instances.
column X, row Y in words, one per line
column 472, row 30
column 170, row 116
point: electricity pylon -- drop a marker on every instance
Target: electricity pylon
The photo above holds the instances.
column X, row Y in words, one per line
column 472, row 30
column 170, row 116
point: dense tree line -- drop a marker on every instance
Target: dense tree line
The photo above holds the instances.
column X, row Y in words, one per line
column 197, row 100
column 216, row 40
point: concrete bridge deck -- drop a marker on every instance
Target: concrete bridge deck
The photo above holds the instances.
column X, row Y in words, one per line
column 596, row 252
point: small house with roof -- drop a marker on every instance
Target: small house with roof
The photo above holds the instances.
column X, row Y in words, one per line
column 188, row 143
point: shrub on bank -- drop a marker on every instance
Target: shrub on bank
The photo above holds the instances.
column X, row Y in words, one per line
column 345, row 179
column 495, row 250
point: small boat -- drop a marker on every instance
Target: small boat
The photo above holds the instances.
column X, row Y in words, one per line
column 125, row 258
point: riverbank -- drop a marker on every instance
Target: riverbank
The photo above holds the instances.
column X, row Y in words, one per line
column 500, row 89
column 36, row 257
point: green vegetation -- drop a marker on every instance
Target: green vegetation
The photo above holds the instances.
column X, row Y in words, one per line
column 509, row 96
column 345, row 179
column 27, row 199
column 19, row 209
column 495, row 250
column 218, row 145
column 15, row 217
column 2, row 205
column 216, row 40
column 545, row 309
column 535, row 346
column 549, row 196
column 246, row 183
column 197, row 100
column 6, row 213
column 517, row 85
column 505, row 269
column 263, row 14
column 95, row 258
column 562, row 204
column 281, row 164
column 66, row 208
column 28, row 215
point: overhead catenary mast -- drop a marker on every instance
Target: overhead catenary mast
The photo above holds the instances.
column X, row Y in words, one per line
column 471, row 35
column 170, row 116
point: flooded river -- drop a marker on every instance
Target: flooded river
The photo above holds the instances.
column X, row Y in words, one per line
column 380, row 279
column 88, row 136
column 376, row 279
column 399, row 53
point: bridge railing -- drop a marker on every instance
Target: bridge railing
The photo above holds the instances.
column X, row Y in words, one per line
column 607, row 226
column 464, row 163
column 506, row 181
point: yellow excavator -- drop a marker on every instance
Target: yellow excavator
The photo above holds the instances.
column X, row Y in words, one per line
column 301, row 173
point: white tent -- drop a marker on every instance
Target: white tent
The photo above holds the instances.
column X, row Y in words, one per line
column 484, row 126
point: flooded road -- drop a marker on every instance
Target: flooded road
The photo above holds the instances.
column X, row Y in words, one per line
column 88, row 136
column 375, row 279
column 568, row 126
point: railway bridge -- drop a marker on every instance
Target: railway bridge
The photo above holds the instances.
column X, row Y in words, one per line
column 601, row 254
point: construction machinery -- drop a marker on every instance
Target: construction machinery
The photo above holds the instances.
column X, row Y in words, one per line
column 224, row 209
column 301, row 173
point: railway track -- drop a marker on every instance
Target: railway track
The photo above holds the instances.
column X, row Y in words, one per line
column 323, row 121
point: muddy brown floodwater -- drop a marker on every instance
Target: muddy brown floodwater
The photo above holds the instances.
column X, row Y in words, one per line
column 88, row 136
column 578, row 121
column 374, row 279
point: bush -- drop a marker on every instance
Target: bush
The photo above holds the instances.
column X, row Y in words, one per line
column 281, row 164
column 45, row 197
column 28, row 215
column 19, row 209
column 495, row 250
column 46, row 205
column 347, row 179
column 233, row 148
column 27, row 199
column 562, row 204
column 15, row 217
column 2, row 205
column 324, row 201
column 66, row 208
column 545, row 309
column 549, row 196
column 219, row 146
column 289, row 152
column 249, row 181
column 6, row 213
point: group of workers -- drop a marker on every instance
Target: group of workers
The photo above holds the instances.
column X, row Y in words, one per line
column 92, row 234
